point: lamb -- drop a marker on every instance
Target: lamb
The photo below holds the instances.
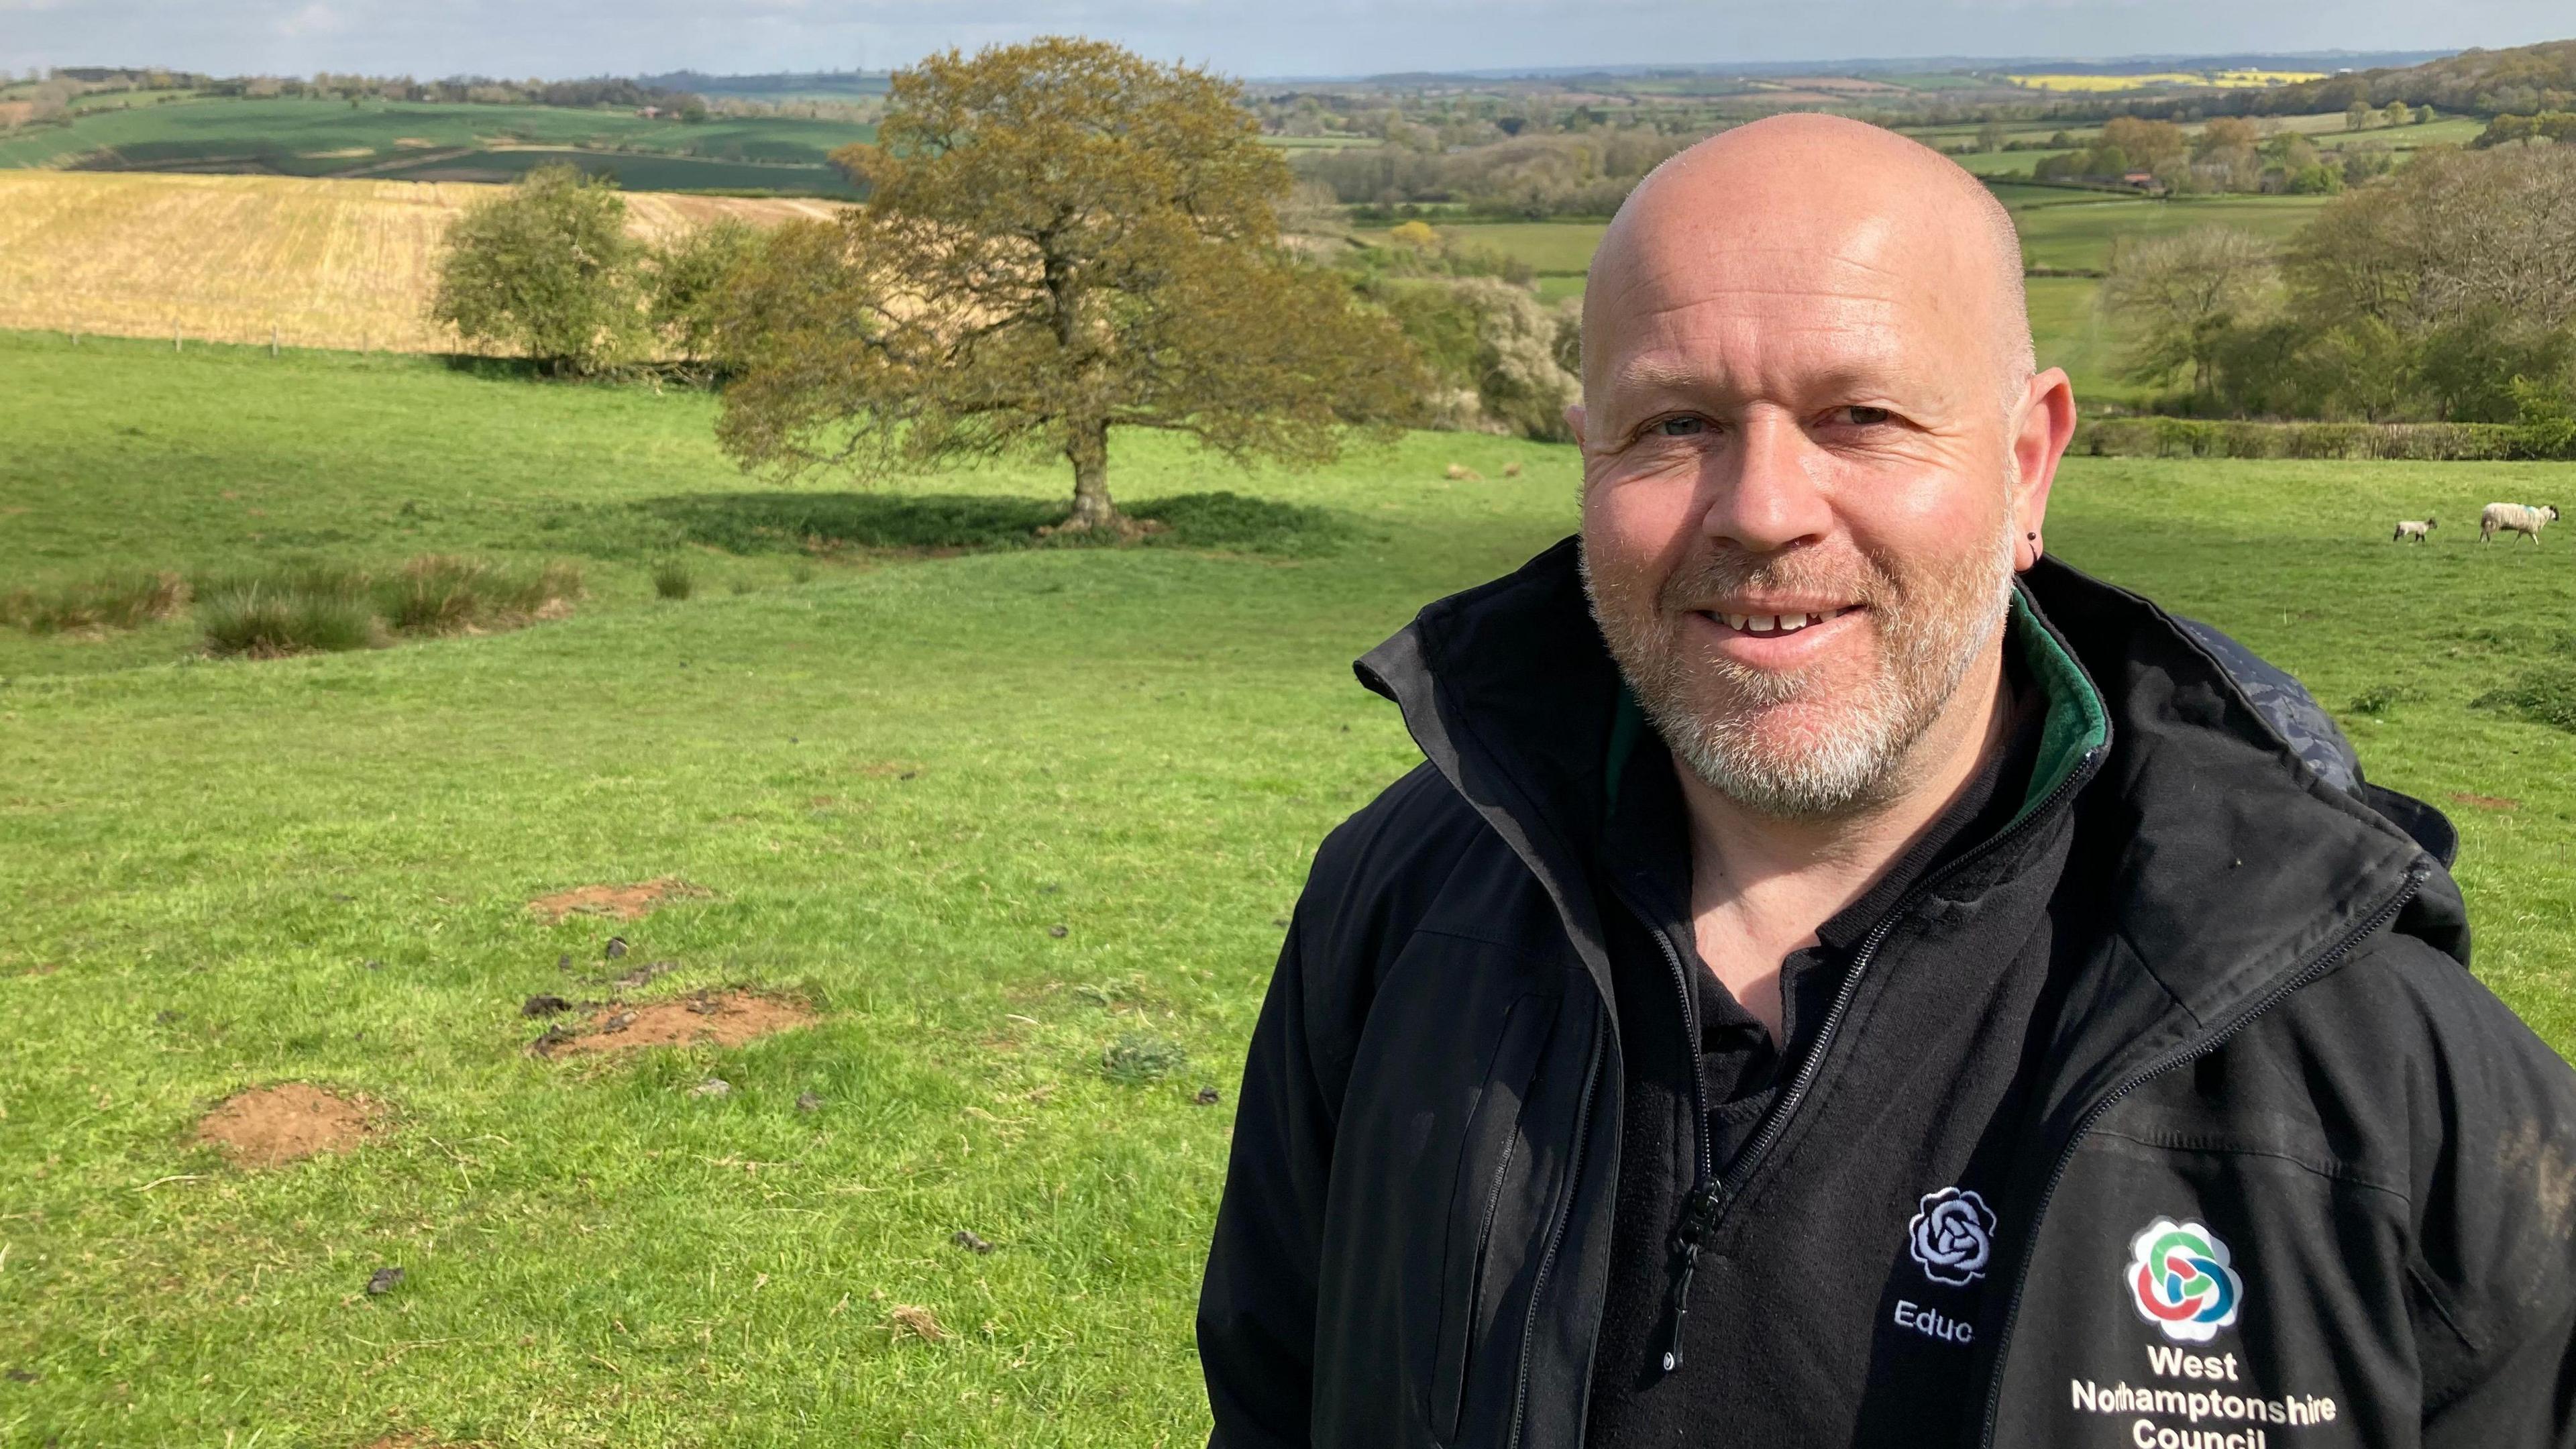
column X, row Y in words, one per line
column 2523, row 518
column 2418, row 530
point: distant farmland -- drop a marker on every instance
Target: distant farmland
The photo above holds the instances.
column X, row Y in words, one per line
column 440, row 142
column 343, row 264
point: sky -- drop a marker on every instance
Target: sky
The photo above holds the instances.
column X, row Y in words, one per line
column 1252, row 38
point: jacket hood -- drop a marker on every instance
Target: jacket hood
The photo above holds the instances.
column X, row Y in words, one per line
column 2235, row 839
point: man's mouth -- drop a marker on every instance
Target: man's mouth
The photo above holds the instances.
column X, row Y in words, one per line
column 1778, row 622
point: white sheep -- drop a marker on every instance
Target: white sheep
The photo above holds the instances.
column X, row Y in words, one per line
column 2523, row 518
column 2417, row 530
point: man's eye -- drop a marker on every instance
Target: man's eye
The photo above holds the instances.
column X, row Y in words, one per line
column 1863, row 417
column 1682, row 427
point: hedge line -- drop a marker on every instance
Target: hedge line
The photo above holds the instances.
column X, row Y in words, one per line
column 2410, row 442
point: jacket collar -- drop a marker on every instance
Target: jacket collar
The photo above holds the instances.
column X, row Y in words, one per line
column 2226, row 862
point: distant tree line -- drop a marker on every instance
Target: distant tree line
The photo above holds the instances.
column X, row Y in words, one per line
column 616, row 92
column 2522, row 80
column 1578, row 174
column 2548, row 126
column 2229, row 153
column 2445, row 292
column 599, row 92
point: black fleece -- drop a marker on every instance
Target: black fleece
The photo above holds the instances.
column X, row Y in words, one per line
column 1732, row 1384
column 2287, row 1174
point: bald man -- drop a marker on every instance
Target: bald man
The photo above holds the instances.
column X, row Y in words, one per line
column 1843, row 977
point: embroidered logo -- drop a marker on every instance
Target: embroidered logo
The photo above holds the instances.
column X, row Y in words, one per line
column 2179, row 1278
column 1952, row 1236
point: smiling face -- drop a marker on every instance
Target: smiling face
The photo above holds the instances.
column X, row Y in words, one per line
column 1812, row 450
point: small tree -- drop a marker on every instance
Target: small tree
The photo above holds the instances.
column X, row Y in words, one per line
column 689, row 276
column 546, row 269
column 1060, row 237
column 2178, row 296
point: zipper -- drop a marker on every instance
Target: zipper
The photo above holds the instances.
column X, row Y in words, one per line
column 2416, row 874
column 1476, row 1277
column 1555, row 1233
column 1699, row 1205
column 1704, row 1207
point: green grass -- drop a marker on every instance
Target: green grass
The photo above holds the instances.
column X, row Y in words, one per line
column 2068, row 330
column 2060, row 227
column 1021, row 822
column 1550, row 247
column 332, row 138
column 2079, row 233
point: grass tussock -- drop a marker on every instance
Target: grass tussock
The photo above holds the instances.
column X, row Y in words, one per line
column 2542, row 697
column 253, row 622
column 113, row 601
column 322, row 608
column 672, row 580
column 1137, row 1057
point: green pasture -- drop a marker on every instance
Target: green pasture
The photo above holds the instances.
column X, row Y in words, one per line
column 2061, row 228
column 2003, row 163
column 991, row 812
column 2080, row 233
column 1551, row 248
column 334, row 138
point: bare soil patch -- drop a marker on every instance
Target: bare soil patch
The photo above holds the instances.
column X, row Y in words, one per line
column 727, row 1018
column 2486, row 802
column 617, row 902
column 272, row 1126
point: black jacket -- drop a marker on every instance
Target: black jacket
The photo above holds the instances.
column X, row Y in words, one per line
column 2286, row 1158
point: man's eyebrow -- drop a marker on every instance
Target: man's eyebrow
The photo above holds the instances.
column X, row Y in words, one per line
column 1655, row 372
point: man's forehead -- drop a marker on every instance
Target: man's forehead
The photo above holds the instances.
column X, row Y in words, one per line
column 1690, row 320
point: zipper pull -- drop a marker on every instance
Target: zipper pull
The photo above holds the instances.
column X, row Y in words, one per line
column 1699, row 1213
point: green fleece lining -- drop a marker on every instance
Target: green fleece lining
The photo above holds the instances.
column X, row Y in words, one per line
column 2077, row 724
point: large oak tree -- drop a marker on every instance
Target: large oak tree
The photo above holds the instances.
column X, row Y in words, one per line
column 1059, row 238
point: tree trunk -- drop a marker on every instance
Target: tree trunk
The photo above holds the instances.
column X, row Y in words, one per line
column 1088, row 449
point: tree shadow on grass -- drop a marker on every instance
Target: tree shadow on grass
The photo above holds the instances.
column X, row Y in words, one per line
column 941, row 523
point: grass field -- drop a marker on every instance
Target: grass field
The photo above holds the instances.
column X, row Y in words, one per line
column 2061, row 228
column 228, row 258
column 988, row 815
column 333, row 138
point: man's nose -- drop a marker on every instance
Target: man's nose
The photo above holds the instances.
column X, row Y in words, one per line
column 1765, row 495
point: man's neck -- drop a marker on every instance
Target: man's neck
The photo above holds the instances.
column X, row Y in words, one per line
column 1761, row 886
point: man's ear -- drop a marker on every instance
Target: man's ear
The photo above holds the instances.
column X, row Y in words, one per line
column 1574, row 422
column 2045, row 424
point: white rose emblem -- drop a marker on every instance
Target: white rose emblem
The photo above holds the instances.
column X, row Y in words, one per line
column 1952, row 1236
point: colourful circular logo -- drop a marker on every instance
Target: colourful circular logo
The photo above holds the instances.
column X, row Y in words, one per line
column 2180, row 1279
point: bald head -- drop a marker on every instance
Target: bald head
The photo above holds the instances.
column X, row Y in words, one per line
column 1824, row 204
column 1814, row 451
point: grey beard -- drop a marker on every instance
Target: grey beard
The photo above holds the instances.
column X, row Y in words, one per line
column 1852, row 762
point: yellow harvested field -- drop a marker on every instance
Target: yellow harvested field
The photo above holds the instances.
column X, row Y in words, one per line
column 342, row 264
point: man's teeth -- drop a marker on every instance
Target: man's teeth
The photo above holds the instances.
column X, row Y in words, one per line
column 1774, row 623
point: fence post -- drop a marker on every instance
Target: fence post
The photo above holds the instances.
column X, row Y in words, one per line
column 272, row 339
column 174, row 337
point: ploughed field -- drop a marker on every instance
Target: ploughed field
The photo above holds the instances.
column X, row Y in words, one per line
column 959, row 863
